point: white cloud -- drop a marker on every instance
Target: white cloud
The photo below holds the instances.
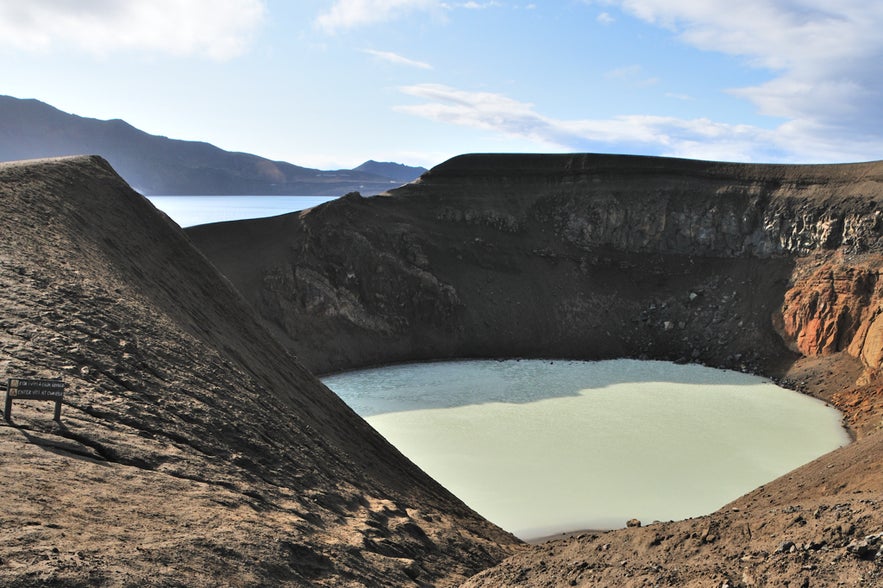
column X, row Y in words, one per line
column 698, row 138
column 825, row 58
column 605, row 19
column 397, row 59
column 219, row 29
column 349, row 14
column 631, row 74
column 774, row 33
column 482, row 110
column 480, row 5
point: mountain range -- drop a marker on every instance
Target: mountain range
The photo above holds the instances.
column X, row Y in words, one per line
column 156, row 165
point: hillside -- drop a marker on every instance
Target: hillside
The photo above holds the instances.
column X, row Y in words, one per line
column 772, row 269
column 395, row 171
column 30, row 129
column 192, row 446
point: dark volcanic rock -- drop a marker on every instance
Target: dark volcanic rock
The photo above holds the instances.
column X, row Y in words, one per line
column 584, row 256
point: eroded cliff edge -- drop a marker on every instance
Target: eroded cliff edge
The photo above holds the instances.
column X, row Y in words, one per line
column 589, row 256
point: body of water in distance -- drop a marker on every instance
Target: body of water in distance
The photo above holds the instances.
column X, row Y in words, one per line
column 189, row 211
column 544, row 447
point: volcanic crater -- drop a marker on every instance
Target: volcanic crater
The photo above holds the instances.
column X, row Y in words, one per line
column 196, row 444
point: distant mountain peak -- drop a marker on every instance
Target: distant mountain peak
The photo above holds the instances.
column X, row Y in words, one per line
column 395, row 171
column 30, row 129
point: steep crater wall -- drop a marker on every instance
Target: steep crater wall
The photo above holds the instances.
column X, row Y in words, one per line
column 586, row 256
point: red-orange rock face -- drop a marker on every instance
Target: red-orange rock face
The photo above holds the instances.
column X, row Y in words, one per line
column 836, row 305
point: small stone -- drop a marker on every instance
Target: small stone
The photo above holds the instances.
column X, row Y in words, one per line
column 412, row 570
column 867, row 548
column 633, row 523
column 707, row 536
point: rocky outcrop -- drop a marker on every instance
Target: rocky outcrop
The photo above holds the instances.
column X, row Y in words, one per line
column 834, row 305
column 658, row 205
column 585, row 256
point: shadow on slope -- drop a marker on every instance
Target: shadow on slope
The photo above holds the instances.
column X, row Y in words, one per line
column 404, row 387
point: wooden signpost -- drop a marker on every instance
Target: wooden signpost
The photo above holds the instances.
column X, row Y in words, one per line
column 29, row 389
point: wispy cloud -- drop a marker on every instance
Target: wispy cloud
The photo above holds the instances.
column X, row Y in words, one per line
column 480, row 5
column 349, row 14
column 825, row 58
column 397, row 59
column 699, row 138
column 632, row 74
column 218, row 29
column 605, row 19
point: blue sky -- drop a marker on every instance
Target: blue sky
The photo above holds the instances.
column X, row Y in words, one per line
column 332, row 83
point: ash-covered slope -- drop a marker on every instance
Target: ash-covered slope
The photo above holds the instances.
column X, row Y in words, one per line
column 193, row 448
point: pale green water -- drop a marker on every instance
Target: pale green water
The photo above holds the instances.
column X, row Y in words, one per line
column 542, row 447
